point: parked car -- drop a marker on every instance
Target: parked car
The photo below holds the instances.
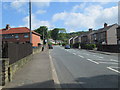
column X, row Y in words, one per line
column 67, row 47
column 50, row 46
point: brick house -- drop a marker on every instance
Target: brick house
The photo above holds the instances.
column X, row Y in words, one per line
column 118, row 35
column 106, row 35
column 19, row 34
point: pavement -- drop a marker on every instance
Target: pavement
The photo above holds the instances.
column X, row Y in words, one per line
column 36, row 73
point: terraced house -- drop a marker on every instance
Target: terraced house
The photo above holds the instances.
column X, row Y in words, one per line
column 106, row 35
column 86, row 37
column 20, row 34
column 118, row 35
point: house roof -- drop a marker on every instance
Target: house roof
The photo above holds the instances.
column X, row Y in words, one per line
column 86, row 33
column 36, row 33
column 15, row 30
column 105, row 29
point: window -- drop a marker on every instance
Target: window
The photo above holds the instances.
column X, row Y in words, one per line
column 16, row 36
column 26, row 35
column 8, row 36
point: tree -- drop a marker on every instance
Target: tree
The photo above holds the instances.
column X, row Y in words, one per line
column 54, row 34
column 42, row 30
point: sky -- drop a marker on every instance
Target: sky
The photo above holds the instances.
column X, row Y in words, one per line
column 73, row 16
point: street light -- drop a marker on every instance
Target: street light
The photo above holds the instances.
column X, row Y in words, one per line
column 30, row 21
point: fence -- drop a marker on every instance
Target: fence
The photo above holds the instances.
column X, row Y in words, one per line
column 16, row 51
column 109, row 48
column 14, row 56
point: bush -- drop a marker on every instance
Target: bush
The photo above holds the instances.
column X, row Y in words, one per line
column 76, row 45
column 88, row 46
column 63, row 44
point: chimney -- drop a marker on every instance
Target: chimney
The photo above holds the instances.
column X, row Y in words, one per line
column 7, row 27
column 90, row 29
column 105, row 25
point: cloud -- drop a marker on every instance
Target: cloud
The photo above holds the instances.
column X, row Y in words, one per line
column 40, row 12
column 36, row 23
column 79, row 7
column 41, row 4
column 19, row 6
column 93, row 17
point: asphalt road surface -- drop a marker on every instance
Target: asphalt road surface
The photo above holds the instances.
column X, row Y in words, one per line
column 83, row 69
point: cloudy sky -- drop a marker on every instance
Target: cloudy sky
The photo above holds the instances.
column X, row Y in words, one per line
column 74, row 16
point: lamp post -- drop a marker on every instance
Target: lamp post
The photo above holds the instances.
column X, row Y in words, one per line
column 43, row 41
column 30, row 21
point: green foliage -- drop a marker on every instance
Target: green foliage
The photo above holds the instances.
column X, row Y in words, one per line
column 54, row 33
column 42, row 30
column 63, row 44
column 88, row 46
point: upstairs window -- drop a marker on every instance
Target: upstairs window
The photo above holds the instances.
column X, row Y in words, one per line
column 8, row 36
column 16, row 36
column 26, row 35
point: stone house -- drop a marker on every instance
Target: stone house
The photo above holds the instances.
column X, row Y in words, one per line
column 106, row 35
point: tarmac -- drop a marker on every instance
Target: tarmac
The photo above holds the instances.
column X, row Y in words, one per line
column 102, row 52
column 36, row 73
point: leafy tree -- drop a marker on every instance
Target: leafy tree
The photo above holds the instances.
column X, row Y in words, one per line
column 42, row 30
column 54, row 34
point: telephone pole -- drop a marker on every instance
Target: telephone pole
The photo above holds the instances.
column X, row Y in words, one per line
column 30, row 21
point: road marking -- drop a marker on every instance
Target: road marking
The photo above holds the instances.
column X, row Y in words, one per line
column 80, row 56
column 99, row 57
column 104, row 60
column 54, row 73
column 74, row 53
column 113, row 69
column 113, row 60
column 93, row 61
column 108, row 62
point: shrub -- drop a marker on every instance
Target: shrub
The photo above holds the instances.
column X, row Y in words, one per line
column 88, row 46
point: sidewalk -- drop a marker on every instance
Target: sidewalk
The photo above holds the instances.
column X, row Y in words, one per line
column 35, row 74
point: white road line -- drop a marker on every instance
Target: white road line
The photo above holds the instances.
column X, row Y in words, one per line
column 93, row 61
column 113, row 60
column 54, row 73
column 99, row 57
column 108, row 62
column 113, row 69
column 74, row 53
column 104, row 60
column 80, row 56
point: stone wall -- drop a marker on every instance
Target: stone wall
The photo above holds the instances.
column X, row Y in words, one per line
column 4, row 62
column 37, row 50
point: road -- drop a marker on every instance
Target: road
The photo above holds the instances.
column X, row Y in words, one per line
column 83, row 69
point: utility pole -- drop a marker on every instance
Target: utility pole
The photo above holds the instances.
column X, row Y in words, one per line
column 43, row 41
column 30, row 21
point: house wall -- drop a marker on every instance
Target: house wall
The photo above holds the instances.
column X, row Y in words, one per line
column 118, row 35
column 20, row 39
column 84, row 39
column 35, row 40
column 112, row 35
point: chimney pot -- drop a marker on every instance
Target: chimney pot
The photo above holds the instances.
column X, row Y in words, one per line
column 90, row 29
column 7, row 27
column 105, row 25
